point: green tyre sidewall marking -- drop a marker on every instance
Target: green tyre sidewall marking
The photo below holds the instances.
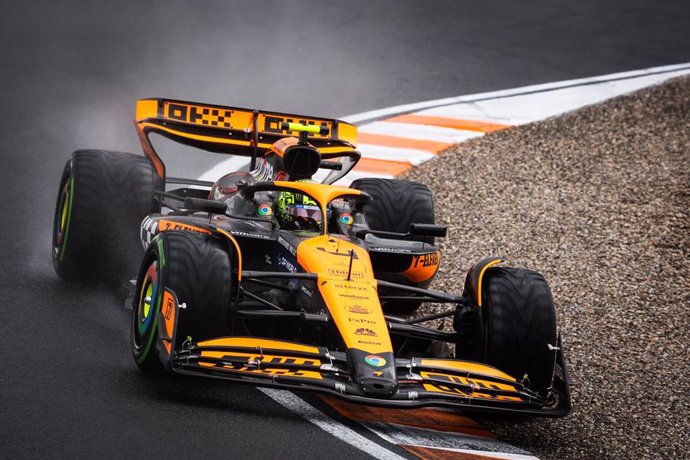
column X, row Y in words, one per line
column 69, row 211
column 159, row 299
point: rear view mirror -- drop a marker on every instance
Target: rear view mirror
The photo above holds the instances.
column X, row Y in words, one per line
column 428, row 230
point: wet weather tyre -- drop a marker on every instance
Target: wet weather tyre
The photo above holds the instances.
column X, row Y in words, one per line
column 396, row 204
column 519, row 325
column 198, row 269
column 102, row 199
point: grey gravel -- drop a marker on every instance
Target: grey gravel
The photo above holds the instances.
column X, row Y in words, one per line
column 598, row 200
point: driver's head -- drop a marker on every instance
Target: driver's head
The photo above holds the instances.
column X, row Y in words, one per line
column 297, row 211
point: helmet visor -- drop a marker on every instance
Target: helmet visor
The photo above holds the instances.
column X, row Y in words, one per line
column 305, row 212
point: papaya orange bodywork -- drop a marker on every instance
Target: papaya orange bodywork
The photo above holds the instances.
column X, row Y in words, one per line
column 149, row 151
column 423, row 267
column 266, row 361
column 251, row 342
column 466, row 366
column 347, row 284
column 481, row 278
column 168, row 311
column 198, row 137
column 237, row 249
column 168, row 225
column 281, row 146
column 477, row 383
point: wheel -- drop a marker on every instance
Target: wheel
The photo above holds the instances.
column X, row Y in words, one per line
column 519, row 325
column 396, row 204
column 199, row 271
column 103, row 198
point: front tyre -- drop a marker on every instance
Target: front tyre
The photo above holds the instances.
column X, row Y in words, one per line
column 519, row 319
column 198, row 269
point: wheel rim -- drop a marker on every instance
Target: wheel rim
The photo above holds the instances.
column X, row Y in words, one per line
column 146, row 307
column 62, row 217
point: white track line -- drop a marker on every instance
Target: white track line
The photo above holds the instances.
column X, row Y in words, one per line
column 422, row 437
column 379, row 152
column 526, row 108
column 415, row 131
column 372, row 115
column 351, row 176
column 329, row 425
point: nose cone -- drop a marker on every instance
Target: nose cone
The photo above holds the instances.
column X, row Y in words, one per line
column 378, row 386
column 374, row 374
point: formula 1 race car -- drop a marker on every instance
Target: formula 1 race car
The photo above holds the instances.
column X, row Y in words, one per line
column 270, row 278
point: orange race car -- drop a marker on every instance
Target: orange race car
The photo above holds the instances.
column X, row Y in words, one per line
column 271, row 278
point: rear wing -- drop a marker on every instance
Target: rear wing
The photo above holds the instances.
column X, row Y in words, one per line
column 232, row 130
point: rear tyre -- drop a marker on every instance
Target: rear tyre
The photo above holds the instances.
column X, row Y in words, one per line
column 519, row 325
column 102, row 199
column 199, row 271
column 396, row 204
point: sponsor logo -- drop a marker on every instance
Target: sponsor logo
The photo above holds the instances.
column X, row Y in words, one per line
column 361, row 321
column 434, row 381
column 287, row 245
column 344, row 273
column 272, row 124
column 168, row 225
column 307, row 292
column 199, row 115
column 283, row 262
column 425, row 260
column 345, row 218
column 265, row 209
column 395, row 250
column 239, row 363
column 358, row 309
column 350, row 286
column 354, row 296
column 169, row 305
column 375, row 360
column 250, row 235
column 365, row 331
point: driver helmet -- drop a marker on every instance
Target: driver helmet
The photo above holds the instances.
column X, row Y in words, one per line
column 297, row 211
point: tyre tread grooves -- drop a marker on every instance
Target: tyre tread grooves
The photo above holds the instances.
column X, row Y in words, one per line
column 521, row 322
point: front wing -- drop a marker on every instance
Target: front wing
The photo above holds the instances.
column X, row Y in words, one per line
column 420, row 381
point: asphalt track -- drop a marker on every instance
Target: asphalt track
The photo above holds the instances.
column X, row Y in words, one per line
column 70, row 72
